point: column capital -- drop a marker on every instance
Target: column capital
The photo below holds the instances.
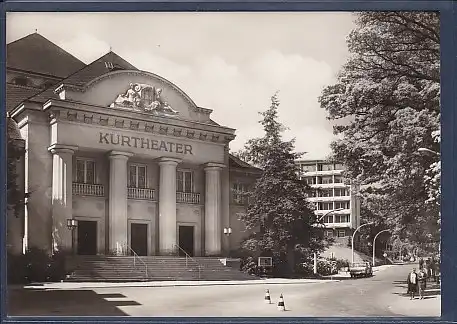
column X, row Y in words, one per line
column 168, row 161
column 213, row 166
column 119, row 155
column 62, row 148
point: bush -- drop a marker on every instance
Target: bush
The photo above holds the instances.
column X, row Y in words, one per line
column 249, row 265
column 326, row 267
column 36, row 266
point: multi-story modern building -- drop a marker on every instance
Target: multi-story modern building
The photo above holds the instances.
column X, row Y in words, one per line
column 334, row 198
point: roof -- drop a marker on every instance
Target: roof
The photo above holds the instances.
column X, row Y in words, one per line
column 98, row 68
column 87, row 73
column 34, row 53
column 16, row 94
column 235, row 162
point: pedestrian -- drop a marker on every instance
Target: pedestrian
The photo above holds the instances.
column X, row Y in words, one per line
column 412, row 283
column 427, row 268
column 433, row 268
column 422, row 283
column 421, row 263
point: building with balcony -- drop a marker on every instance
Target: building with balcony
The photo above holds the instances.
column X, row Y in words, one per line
column 332, row 192
column 123, row 153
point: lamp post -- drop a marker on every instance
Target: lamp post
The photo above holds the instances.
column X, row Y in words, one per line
column 315, row 254
column 227, row 232
column 374, row 245
column 353, row 235
column 72, row 224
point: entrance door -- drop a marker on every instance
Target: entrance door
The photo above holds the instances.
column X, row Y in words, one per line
column 139, row 238
column 87, row 237
column 186, row 240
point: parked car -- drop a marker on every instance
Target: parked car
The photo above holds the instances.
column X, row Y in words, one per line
column 360, row 269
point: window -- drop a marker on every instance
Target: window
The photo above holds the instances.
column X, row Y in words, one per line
column 310, row 180
column 325, row 180
column 341, row 233
column 238, row 192
column 325, row 167
column 344, row 218
column 328, row 233
column 328, row 219
column 326, row 193
column 184, row 181
column 339, row 192
column 338, row 179
column 85, row 171
column 137, row 176
column 342, row 204
column 325, row 205
column 312, row 193
column 308, row 168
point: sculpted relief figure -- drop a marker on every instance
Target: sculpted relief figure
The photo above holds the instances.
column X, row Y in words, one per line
column 144, row 97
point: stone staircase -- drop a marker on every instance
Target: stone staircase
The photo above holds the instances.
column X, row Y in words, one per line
column 159, row 268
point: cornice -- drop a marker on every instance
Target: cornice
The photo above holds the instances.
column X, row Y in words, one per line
column 102, row 119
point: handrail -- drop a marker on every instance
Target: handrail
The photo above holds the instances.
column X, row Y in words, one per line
column 135, row 256
column 189, row 257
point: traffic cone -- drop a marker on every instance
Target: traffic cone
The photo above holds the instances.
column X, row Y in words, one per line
column 281, row 306
column 267, row 297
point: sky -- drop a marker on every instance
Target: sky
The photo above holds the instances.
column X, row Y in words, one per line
column 229, row 62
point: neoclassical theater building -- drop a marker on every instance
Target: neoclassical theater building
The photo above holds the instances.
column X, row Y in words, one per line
column 123, row 154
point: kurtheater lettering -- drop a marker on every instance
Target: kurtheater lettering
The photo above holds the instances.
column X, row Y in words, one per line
column 145, row 143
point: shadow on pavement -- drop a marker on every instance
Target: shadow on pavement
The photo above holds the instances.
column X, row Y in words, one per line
column 39, row 302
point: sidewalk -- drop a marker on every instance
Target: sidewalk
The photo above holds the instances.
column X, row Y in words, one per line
column 89, row 285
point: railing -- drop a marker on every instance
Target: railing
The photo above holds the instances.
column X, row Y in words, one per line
column 87, row 189
column 188, row 197
column 135, row 257
column 199, row 267
column 140, row 193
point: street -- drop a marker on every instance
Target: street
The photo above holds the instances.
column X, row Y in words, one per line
column 381, row 295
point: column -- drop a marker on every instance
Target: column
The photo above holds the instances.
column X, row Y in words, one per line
column 213, row 208
column 167, row 205
column 62, row 179
column 118, row 229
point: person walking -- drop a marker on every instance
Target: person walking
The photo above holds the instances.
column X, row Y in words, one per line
column 422, row 283
column 421, row 263
column 412, row 283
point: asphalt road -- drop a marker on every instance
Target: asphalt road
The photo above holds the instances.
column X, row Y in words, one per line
column 381, row 295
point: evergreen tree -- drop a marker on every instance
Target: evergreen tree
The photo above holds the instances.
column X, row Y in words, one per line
column 280, row 217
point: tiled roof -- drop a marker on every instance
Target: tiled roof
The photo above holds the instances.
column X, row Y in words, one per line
column 34, row 53
column 98, row 68
column 235, row 162
column 16, row 94
column 86, row 74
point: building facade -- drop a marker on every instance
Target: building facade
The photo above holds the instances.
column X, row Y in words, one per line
column 335, row 200
column 122, row 153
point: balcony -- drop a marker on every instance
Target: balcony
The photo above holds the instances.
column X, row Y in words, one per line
column 87, row 189
column 188, row 197
column 140, row 193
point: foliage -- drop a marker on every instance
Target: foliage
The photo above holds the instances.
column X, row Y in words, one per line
column 386, row 103
column 36, row 266
column 15, row 197
column 326, row 267
column 279, row 216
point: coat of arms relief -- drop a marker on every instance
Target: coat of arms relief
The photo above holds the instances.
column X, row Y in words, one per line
column 144, row 97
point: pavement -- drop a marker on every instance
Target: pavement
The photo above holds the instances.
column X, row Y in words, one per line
column 384, row 294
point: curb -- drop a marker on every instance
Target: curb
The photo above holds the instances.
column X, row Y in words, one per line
column 87, row 285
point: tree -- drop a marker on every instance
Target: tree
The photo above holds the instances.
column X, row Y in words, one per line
column 280, row 217
column 387, row 105
column 15, row 196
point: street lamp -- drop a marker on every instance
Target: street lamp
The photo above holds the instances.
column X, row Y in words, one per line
column 72, row 224
column 374, row 245
column 426, row 150
column 315, row 254
column 227, row 232
column 353, row 235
